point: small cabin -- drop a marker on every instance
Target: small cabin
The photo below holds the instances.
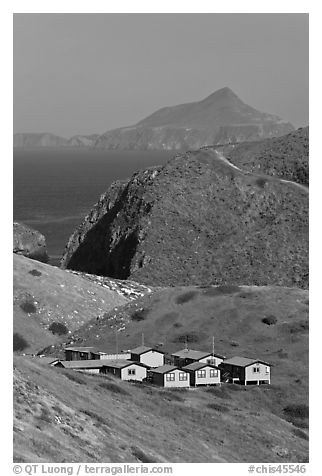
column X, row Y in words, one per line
column 125, row 369
column 82, row 353
column 203, row 374
column 246, row 371
column 188, row 356
column 90, row 366
column 147, row 356
column 169, row 376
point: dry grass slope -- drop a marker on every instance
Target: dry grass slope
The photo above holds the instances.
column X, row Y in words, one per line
column 99, row 419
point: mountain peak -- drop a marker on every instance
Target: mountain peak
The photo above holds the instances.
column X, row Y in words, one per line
column 223, row 94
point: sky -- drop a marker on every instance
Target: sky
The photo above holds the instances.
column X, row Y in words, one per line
column 89, row 73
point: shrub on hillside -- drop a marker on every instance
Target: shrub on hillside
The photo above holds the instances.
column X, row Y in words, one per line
column 58, row 328
column 35, row 272
column 97, row 419
column 139, row 315
column 218, row 407
column 260, row 182
column 186, row 297
column 296, row 410
column 190, row 337
column 28, row 307
column 19, row 343
column 269, row 320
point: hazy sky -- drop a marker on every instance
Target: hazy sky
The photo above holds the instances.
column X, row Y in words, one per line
column 86, row 73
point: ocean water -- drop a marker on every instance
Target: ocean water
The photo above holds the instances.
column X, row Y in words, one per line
column 53, row 189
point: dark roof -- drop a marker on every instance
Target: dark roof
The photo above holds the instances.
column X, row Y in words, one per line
column 193, row 354
column 142, row 349
column 199, row 365
column 243, row 361
column 93, row 350
column 121, row 363
column 82, row 364
column 164, row 369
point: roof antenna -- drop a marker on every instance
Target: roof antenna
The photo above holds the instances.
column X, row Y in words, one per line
column 116, row 342
column 142, row 338
column 213, row 346
column 186, row 343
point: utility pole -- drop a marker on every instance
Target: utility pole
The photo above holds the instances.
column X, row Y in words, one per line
column 213, row 346
column 143, row 338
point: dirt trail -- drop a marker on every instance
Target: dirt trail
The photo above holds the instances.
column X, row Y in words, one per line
column 220, row 156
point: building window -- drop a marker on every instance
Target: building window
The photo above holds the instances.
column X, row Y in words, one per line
column 201, row 374
column 183, row 376
column 211, row 361
column 170, row 377
column 255, row 369
column 213, row 373
column 267, row 370
column 131, row 371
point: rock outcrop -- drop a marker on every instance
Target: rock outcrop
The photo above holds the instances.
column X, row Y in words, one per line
column 218, row 119
column 30, row 243
column 197, row 220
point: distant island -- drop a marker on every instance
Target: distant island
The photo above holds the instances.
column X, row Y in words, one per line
column 220, row 118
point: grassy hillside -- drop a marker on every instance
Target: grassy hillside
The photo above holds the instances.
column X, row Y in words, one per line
column 64, row 416
column 44, row 295
column 265, row 322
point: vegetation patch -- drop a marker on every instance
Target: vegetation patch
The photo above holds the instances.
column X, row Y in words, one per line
column 261, row 182
column 97, row 419
column 140, row 314
column 186, row 297
column 35, row 272
column 297, row 327
column 233, row 343
column 19, row 343
column 190, row 337
column 269, row 320
column 141, row 456
column 28, row 307
column 296, row 411
column 58, row 328
column 218, row 408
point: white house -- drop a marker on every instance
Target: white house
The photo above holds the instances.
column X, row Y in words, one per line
column 170, row 376
column 124, row 369
column 147, row 356
column 203, row 374
column 246, row 371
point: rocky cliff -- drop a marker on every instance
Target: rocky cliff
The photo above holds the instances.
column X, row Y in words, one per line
column 220, row 118
column 197, row 220
column 28, row 242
